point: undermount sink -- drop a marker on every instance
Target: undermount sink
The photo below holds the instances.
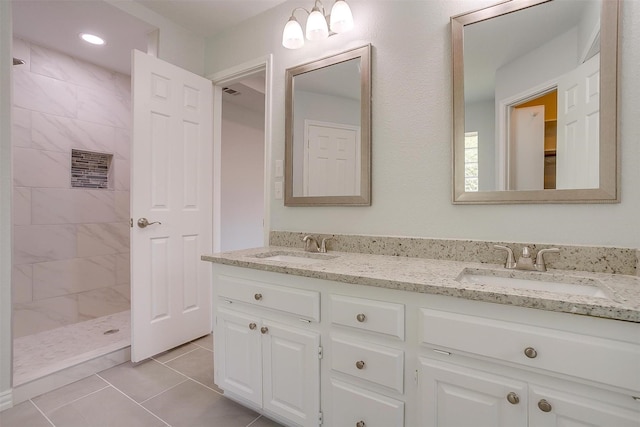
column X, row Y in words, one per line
column 577, row 286
column 295, row 257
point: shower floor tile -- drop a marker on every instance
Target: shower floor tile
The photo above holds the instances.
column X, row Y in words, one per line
column 37, row 355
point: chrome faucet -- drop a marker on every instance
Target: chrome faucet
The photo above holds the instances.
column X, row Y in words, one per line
column 524, row 261
column 309, row 247
column 311, row 244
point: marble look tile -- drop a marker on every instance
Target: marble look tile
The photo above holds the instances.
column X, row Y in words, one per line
column 103, row 239
column 44, row 94
column 20, row 127
column 21, row 205
column 52, row 400
column 103, row 107
column 23, row 415
column 107, row 407
column 38, row 168
column 57, row 133
column 71, row 276
column 21, row 49
column 122, row 174
column 191, row 404
column 42, row 243
column 21, row 283
column 72, row 206
column 123, row 86
column 51, row 63
column 123, row 206
column 142, row 381
column 123, row 268
column 38, row 316
column 123, row 144
column 101, row 302
column 124, row 291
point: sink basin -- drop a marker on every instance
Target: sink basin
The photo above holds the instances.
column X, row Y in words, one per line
column 536, row 282
column 295, row 257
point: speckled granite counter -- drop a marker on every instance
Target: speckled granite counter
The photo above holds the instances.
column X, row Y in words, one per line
column 439, row 277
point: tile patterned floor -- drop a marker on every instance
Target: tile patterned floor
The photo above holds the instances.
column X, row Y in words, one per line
column 172, row 389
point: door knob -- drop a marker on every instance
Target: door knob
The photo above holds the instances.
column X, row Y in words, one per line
column 143, row 222
column 530, row 352
column 544, row 405
column 264, row 329
column 361, row 317
column 252, row 326
column 360, row 364
column 513, row 398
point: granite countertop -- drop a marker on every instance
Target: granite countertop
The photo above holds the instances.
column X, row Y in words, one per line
column 621, row 301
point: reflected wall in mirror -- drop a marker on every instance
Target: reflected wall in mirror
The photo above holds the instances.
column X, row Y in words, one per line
column 535, row 96
column 328, row 131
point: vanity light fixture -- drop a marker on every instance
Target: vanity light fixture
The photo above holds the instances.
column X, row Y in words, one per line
column 92, row 38
column 318, row 25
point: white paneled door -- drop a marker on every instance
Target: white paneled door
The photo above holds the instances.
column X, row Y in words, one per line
column 171, row 190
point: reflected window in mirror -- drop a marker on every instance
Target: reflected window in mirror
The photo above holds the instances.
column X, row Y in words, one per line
column 327, row 146
column 536, row 81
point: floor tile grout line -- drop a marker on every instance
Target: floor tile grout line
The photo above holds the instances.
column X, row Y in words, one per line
column 75, row 400
column 133, row 400
column 186, row 378
column 254, row 421
column 177, row 357
column 194, row 380
column 43, row 414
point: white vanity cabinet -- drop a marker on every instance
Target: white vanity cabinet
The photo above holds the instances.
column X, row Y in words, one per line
column 481, row 370
column 271, row 364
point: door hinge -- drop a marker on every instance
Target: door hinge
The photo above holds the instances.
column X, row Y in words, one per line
column 320, row 354
column 415, row 377
column 320, row 418
column 131, row 222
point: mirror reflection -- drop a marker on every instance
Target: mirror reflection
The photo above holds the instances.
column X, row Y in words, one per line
column 533, row 100
column 327, row 143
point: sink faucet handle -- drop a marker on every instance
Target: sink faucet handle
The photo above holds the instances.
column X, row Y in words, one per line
column 307, row 247
column 526, row 253
column 540, row 264
column 511, row 261
column 323, row 245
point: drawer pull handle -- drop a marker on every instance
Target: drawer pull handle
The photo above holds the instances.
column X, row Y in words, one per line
column 513, row 398
column 264, row 329
column 360, row 364
column 361, row 317
column 530, row 352
column 252, row 326
column 361, row 424
column 257, row 297
column 544, row 405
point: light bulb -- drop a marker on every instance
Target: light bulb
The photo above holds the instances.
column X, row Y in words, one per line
column 292, row 37
column 91, row 38
column 341, row 17
column 317, row 28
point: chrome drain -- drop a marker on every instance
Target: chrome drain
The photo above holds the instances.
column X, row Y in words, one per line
column 111, row 331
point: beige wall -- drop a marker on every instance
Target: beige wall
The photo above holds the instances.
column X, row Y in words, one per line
column 412, row 130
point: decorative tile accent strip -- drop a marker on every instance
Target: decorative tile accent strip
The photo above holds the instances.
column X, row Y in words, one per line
column 89, row 169
column 581, row 258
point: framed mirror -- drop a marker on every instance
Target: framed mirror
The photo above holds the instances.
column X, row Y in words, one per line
column 328, row 131
column 535, row 103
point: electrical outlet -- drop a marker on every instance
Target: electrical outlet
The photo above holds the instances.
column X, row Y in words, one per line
column 278, row 190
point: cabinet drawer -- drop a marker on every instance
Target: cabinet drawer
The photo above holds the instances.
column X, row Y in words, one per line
column 352, row 405
column 593, row 358
column 378, row 364
column 305, row 304
column 370, row 315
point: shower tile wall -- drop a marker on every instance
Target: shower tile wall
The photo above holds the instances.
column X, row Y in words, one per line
column 71, row 245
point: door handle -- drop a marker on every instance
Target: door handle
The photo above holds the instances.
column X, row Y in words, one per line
column 143, row 222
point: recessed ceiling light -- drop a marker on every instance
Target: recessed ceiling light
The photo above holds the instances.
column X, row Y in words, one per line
column 93, row 39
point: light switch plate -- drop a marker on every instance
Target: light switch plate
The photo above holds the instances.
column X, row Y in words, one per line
column 278, row 190
column 279, row 169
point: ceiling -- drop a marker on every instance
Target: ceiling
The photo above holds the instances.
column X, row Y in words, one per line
column 57, row 23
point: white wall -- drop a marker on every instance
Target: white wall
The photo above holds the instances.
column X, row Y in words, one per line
column 480, row 117
column 242, row 198
column 411, row 131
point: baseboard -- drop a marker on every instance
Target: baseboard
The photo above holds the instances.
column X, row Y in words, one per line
column 6, row 399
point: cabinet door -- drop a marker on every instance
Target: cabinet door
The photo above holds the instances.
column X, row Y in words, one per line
column 238, row 355
column 457, row 396
column 291, row 373
column 552, row 408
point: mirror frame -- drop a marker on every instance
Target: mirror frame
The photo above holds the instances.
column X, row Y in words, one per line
column 364, row 198
column 609, row 189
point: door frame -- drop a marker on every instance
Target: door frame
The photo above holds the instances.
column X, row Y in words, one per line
column 220, row 80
